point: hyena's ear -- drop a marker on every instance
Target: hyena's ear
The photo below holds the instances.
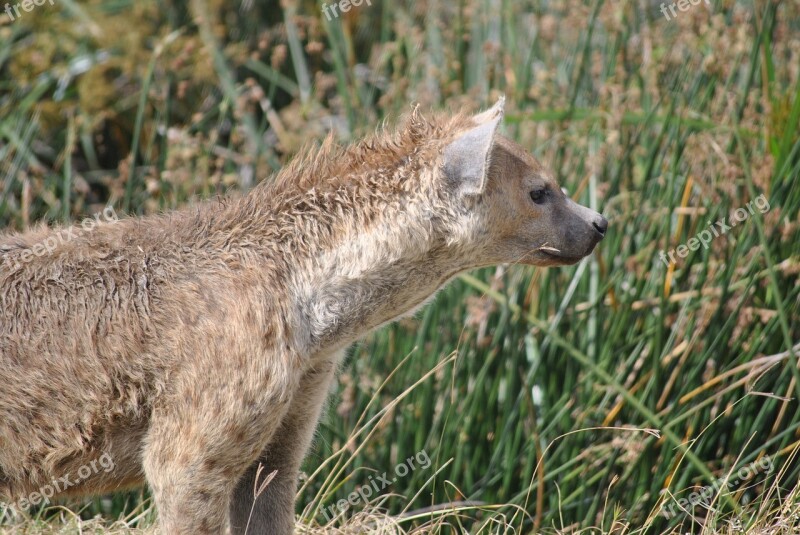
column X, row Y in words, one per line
column 466, row 159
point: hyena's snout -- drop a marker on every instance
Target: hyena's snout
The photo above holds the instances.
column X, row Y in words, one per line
column 585, row 230
column 600, row 225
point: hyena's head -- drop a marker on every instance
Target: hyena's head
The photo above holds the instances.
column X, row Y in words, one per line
column 507, row 206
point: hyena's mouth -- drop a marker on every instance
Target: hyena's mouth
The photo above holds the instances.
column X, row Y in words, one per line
column 553, row 254
column 561, row 258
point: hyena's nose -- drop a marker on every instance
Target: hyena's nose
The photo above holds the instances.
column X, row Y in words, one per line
column 601, row 225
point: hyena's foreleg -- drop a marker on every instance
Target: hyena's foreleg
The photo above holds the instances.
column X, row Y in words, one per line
column 203, row 437
column 272, row 512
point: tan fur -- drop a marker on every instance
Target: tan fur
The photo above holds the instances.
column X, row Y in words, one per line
column 192, row 345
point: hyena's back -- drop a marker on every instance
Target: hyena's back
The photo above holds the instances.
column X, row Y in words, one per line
column 88, row 338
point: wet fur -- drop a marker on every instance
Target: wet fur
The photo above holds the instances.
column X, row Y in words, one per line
column 193, row 345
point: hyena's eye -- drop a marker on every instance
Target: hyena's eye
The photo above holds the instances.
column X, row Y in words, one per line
column 539, row 195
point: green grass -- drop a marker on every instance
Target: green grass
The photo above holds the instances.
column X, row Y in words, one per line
column 558, row 399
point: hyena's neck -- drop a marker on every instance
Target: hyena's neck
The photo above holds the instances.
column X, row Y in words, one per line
column 369, row 278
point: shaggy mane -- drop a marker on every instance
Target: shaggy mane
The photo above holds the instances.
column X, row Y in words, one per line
column 330, row 165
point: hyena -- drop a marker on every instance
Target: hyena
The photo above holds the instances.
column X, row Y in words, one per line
column 196, row 345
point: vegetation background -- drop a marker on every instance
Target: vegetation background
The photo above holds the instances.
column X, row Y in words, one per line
column 547, row 399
